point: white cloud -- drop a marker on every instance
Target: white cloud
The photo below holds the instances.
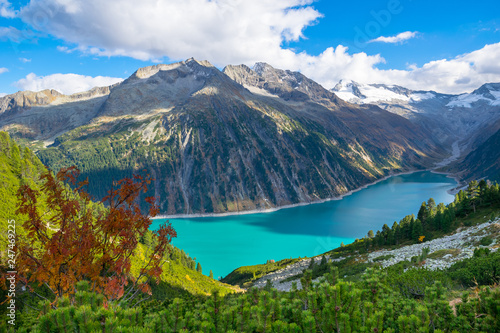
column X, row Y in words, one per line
column 24, row 60
column 2, row 95
column 224, row 31
column 6, row 10
column 64, row 83
column 460, row 74
column 3, row 70
column 64, row 49
column 399, row 38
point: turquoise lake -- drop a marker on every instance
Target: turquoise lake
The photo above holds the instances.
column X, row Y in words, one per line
column 224, row 243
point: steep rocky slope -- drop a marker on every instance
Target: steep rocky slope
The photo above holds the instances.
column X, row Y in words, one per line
column 220, row 141
column 482, row 162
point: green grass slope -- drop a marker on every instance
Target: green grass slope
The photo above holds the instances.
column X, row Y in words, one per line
column 179, row 276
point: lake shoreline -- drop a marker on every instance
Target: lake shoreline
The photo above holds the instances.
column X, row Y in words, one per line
column 340, row 197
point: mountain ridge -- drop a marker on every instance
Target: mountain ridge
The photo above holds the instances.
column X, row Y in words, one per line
column 225, row 141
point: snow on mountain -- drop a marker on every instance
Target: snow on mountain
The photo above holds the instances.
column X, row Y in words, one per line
column 468, row 123
column 488, row 93
column 353, row 92
column 418, row 97
column 358, row 93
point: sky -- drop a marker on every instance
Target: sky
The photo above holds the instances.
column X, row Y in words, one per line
column 74, row 45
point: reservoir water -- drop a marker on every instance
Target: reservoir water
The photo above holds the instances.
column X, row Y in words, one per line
column 224, row 243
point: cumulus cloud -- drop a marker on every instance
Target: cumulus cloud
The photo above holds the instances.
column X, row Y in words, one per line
column 64, row 83
column 460, row 74
column 6, row 9
column 234, row 32
column 399, row 38
column 3, row 70
column 225, row 31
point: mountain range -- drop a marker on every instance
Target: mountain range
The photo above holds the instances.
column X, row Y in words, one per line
column 452, row 118
column 241, row 139
column 470, row 121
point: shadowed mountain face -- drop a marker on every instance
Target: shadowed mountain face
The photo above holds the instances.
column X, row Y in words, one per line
column 217, row 141
column 483, row 161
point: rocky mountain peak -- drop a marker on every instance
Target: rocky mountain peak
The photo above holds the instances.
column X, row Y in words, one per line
column 349, row 86
column 274, row 75
column 243, row 75
column 26, row 99
column 261, row 68
column 488, row 90
column 288, row 85
column 189, row 65
column 395, row 89
column 345, row 83
column 160, row 87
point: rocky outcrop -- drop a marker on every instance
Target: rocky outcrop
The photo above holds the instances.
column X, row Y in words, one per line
column 463, row 241
column 287, row 85
column 25, row 99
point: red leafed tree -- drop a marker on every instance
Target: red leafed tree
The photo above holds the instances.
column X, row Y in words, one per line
column 69, row 240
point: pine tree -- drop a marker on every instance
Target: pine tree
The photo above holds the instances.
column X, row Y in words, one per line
column 438, row 218
column 462, row 203
column 385, row 233
column 15, row 158
column 396, row 232
column 211, row 274
column 431, row 207
column 198, row 267
column 417, row 230
column 472, row 193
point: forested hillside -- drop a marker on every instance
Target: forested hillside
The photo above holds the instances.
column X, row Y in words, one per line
column 17, row 166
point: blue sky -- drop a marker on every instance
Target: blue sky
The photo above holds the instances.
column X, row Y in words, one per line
column 447, row 46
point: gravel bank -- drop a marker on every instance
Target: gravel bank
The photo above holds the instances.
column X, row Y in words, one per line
column 461, row 245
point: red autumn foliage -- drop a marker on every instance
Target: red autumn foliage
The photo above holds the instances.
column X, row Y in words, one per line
column 68, row 240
